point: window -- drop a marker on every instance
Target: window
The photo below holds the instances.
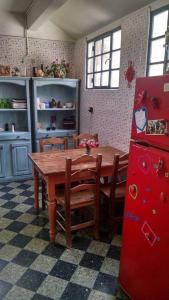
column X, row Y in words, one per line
column 103, row 61
column 158, row 59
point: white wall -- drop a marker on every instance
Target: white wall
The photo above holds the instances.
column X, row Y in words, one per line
column 113, row 108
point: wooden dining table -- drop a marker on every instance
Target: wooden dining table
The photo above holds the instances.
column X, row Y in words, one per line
column 50, row 166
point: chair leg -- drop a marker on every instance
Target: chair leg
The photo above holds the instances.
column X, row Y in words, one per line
column 96, row 221
column 68, row 229
column 111, row 220
column 43, row 195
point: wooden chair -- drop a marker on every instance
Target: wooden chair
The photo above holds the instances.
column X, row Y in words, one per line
column 114, row 191
column 53, row 143
column 82, row 136
column 78, row 196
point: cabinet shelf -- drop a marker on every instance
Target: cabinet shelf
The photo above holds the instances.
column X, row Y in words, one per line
column 55, row 109
column 13, row 109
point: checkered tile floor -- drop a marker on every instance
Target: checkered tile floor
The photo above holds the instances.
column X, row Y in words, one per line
column 32, row 268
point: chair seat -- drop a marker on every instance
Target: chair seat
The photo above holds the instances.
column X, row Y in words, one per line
column 119, row 192
column 80, row 199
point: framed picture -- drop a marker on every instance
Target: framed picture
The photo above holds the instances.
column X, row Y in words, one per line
column 156, row 127
column 4, row 70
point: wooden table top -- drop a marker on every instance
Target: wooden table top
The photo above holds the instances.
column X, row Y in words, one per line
column 53, row 162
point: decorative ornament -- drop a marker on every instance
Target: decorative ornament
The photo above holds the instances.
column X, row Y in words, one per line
column 141, row 97
column 129, row 73
column 140, row 118
column 133, row 191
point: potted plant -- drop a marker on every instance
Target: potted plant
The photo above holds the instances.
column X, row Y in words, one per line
column 58, row 70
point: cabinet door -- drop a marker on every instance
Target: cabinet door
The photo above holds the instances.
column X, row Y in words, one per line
column 2, row 160
column 20, row 161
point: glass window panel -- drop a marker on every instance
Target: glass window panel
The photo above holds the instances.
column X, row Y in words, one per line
column 97, row 78
column 98, row 47
column 116, row 40
column 105, row 78
column 90, row 49
column 157, row 50
column 160, row 24
column 89, row 81
column 156, row 70
column 105, row 61
column 90, row 65
column 97, row 63
column 114, row 79
column 115, row 61
column 106, row 44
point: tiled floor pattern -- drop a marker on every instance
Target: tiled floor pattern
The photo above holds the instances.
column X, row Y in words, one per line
column 32, row 268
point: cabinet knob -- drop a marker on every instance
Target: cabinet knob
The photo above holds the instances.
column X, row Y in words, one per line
column 18, row 137
column 1, row 147
column 47, row 135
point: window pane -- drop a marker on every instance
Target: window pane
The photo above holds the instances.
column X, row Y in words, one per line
column 160, row 24
column 106, row 44
column 115, row 62
column 89, row 81
column 157, row 50
column 116, row 40
column 115, row 79
column 90, row 65
column 105, row 78
column 155, row 70
column 98, row 47
column 97, row 63
column 97, row 78
column 90, row 49
column 105, row 61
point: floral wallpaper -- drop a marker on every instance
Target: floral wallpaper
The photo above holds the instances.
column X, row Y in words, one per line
column 13, row 50
column 113, row 108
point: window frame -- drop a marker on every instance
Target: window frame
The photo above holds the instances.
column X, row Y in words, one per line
column 150, row 39
column 94, row 40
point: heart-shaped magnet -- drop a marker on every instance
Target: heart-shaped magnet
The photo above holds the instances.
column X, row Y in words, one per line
column 133, row 191
column 140, row 118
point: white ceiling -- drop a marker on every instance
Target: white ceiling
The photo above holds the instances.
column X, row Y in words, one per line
column 14, row 5
column 81, row 17
column 76, row 17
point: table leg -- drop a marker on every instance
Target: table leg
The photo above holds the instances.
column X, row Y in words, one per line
column 51, row 208
column 36, row 189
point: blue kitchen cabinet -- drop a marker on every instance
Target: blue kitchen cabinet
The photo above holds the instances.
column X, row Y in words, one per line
column 66, row 93
column 20, row 162
column 2, row 160
column 15, row 129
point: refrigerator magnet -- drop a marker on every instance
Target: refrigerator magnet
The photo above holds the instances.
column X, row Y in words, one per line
column 133, row 191
column 156, row 127
column 140, row 118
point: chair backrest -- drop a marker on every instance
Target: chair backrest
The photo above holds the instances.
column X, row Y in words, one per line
column 61, row 143
column 120, row 165
column 82, row 136
column 84, row 168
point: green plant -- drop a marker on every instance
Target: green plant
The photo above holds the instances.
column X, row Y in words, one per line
column 57, row 69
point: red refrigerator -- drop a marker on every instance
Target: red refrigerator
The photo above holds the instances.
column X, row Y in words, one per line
column 144, row 264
